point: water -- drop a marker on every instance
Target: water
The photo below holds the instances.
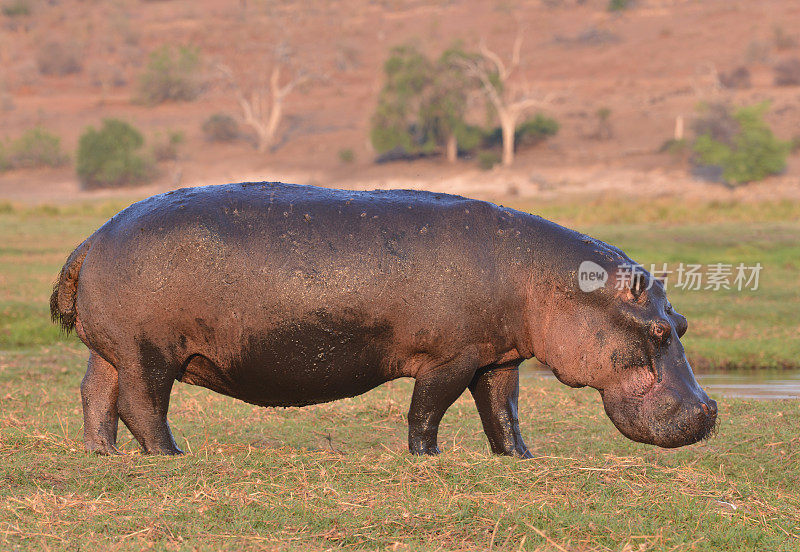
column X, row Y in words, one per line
column 753, row 385
column 762, row 385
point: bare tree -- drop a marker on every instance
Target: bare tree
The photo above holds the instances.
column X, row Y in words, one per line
column 262, row 101
column 510, row 102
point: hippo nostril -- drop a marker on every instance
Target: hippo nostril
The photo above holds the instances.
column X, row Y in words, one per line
column 710, row 408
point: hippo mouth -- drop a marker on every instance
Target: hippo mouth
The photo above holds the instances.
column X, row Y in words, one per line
column 665, row 416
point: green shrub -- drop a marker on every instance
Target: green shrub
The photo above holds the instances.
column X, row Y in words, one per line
column 221, row 127
column 492, row 138
column 488, row 159
column 170, row 76
column 469, row 137
column 674, row 147
column 15, row 8
column 347, row 155
column 528, row 133
column 751, row 152
column 110, row 157
column 619, row 5
column 535, row 130
column 59, row 58
column 166, row 148
column 35, row 148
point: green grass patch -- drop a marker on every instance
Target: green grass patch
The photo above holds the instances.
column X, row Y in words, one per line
column 660, row 211
column 338, row 475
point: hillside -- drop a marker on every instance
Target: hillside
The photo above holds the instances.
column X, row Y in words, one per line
column 646, row 65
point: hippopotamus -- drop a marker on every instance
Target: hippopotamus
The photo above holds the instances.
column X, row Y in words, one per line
column 290, row 295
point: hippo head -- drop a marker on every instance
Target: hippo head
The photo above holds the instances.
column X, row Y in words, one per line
column 622, row 337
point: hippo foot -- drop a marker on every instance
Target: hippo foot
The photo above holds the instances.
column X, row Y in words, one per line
column 102, row 448
column 516, row 452
column 173, row 451
column 423, row 450
column 523, row 453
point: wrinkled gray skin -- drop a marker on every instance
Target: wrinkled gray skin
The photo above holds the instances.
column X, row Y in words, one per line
column 284, row 295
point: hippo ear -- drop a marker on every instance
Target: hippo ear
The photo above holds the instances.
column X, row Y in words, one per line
column 638, row 284
column 632, row 285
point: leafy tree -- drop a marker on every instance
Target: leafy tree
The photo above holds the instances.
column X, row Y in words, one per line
column 443, row 112
column 747, row 152
column 409, row 76
column 422, row 106
column 110, row 156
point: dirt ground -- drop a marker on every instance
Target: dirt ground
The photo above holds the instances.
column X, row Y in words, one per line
column 647, row 65
column 499, row 185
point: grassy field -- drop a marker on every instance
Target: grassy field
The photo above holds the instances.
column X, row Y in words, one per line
column 338, row 475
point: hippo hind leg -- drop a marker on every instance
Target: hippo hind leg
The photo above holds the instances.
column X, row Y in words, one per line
column 496, row 392
column 99, row 390
column 145, row 384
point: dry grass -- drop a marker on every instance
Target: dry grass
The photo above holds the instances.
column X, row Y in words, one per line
column 338, row 476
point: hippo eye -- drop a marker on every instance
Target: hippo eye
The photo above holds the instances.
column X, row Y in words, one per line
column 660, row 330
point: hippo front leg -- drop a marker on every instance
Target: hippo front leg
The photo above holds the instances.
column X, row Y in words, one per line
column 496, row 392
column 434, row 391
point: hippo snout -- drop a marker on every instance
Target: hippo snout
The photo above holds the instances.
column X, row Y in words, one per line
column 667, row 417
column 704, row 421
column 689, row 420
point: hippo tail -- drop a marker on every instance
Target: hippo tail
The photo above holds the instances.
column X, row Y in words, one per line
column 65, row 289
